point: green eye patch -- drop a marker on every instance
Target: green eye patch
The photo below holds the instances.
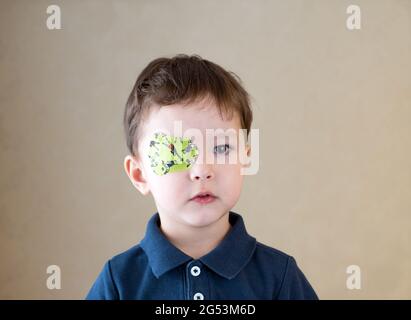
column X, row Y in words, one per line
column 170, row 154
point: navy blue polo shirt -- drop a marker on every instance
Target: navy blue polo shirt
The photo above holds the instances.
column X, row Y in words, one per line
column 238, row 268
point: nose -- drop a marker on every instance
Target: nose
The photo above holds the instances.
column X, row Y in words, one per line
column 201, row 172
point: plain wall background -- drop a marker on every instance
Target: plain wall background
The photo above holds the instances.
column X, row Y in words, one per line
column 332, row 106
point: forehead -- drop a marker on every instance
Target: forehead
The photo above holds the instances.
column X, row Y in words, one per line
column 201, row 116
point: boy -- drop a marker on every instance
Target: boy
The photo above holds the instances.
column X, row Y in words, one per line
column 194, row 247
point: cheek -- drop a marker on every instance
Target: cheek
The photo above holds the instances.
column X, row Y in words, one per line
column 231, row 179
column 169, row 188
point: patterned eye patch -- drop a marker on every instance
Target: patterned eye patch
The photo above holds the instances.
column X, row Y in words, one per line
column 170, row 154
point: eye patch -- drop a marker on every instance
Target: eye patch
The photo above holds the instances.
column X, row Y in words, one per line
column 170, row 154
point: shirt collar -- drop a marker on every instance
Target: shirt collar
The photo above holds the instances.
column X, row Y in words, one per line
column 227, row 259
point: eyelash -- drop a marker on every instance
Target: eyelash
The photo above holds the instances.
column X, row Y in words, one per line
column 227, row 146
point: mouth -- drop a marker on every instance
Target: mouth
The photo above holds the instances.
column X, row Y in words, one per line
column 204, row 197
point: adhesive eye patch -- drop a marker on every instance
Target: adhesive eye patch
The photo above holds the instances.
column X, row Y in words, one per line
column 170, row 154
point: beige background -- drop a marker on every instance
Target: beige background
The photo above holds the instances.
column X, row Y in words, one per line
column 333, row 108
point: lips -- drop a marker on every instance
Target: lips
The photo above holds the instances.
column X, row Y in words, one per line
column 203, row 195
column 204, row 198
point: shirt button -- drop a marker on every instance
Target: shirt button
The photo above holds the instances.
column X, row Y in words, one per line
column 198, row 296
column 195, row 271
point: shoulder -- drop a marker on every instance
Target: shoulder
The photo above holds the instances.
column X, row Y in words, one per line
column 271, row 262
column 293, row 284
column 272, row 252
column 117, row 274
column 272, row 256
column 131, row 258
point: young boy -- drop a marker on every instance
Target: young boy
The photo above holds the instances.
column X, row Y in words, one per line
column 194, row 247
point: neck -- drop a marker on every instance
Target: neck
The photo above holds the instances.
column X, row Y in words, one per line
column 195, row 241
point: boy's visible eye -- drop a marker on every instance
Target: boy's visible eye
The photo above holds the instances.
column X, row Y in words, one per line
column 222, row 149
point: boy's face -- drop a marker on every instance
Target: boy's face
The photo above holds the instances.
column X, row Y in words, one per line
column 173, row 187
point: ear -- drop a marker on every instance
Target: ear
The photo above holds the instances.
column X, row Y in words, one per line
column 247, row 151
column 135, row 172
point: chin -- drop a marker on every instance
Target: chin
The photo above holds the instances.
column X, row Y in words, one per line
column 202, row 218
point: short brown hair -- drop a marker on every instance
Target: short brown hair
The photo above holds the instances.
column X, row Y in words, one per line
column 184, row 79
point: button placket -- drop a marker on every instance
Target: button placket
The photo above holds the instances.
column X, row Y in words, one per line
column 195, row 277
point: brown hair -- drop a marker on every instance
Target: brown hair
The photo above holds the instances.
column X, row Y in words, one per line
column 184, row 79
